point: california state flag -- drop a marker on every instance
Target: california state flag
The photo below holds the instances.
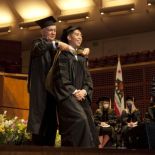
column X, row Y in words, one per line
column 119, row 93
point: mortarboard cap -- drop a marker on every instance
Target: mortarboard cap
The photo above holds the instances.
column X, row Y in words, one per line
column 67, row 31
column 45, row 22
column 103, row 98
column 129, row 98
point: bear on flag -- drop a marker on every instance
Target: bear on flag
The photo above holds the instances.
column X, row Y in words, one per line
column 119, row 91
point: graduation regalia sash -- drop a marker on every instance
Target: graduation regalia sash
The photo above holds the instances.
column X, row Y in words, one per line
column 49, row 78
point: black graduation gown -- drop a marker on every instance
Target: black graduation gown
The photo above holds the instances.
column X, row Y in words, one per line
column 128, row 117
column 129, row 134
column 151, row 113
column 107, row 116
column 75, row 119
column 42, row 108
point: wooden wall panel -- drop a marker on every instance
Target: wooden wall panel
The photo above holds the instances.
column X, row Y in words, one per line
column 12, row 112
column 13, row 95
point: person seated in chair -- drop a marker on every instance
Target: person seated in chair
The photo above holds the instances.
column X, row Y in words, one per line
column 130, row 119
column 150, row 114
column 151, row 108
column 105, row 121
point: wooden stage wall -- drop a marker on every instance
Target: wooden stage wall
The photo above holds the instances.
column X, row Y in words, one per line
column 14, row 97
column 30, row 150
column 137, row 82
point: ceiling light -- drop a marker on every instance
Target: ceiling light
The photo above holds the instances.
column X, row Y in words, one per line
column 32, row 10
column 9, row 30
column 5, row 29
column 28, row 25
column 21, row 27
column 149, row 4
column 117, row 9
column 74, row 17
column 73, row 5
column 6, row 17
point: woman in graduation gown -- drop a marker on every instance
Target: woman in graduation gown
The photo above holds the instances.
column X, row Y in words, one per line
column 105, row 121
column 73, row 90
column 130, row 118
column 151, row 108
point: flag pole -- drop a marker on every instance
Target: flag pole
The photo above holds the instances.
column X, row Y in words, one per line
column 119, row 90
column 110, row 104
column 118, row 58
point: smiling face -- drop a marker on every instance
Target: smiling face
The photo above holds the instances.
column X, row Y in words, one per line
column 49, row 32
column 75, row 38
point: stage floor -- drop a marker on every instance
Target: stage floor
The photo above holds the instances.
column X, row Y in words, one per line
column 45, row 150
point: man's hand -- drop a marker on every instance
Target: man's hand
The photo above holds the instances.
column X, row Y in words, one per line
column 80, row 94
column 63, row 46
column 86, row 52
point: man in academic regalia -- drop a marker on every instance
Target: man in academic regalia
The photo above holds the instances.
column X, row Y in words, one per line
column 73, row 90
column 42, row 122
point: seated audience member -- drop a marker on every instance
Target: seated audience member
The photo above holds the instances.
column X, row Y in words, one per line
column 105, row 120
column 130, row 119
column 151, row 108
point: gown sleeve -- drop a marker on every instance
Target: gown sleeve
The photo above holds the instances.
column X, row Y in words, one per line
column 88, row 83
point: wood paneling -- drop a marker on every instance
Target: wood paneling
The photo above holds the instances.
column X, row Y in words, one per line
column 13, row 95
column 12, row 112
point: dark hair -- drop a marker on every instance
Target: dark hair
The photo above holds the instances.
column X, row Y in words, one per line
column 103, row 98
column 129, row 98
